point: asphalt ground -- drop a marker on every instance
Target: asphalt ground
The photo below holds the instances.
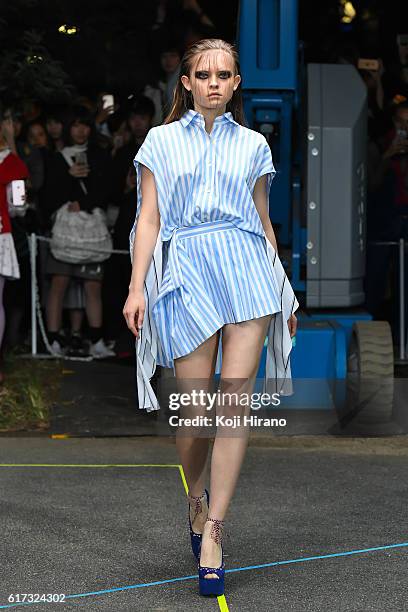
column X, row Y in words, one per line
column 104, row 521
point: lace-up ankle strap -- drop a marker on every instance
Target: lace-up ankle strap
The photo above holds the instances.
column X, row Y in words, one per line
column 216, row 529
column 197, row 503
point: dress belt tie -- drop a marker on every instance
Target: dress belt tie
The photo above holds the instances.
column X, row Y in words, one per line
column 186, row 231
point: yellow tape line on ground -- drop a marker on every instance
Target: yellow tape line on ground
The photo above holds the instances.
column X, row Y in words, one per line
column 221, row 598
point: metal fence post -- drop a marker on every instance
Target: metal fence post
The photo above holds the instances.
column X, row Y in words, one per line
column 33, row 262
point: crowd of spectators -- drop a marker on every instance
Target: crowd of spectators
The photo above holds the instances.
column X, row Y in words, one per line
column 387, row 191
column 82, row 302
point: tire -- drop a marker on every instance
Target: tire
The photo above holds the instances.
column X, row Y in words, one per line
column 370, row 373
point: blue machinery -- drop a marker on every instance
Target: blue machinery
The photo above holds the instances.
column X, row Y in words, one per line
column 314, row 118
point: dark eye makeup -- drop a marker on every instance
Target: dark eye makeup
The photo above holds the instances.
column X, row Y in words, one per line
column 223, row 74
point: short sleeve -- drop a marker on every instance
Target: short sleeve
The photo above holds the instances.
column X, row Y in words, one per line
column 143, row 156
column 264, row 163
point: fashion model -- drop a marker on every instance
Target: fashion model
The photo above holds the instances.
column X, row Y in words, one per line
column 205, row 263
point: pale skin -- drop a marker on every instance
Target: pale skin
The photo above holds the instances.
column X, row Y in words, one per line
column 212, row 73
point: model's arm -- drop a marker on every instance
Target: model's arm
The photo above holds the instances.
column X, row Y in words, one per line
column 261, row 202
column 147, row 229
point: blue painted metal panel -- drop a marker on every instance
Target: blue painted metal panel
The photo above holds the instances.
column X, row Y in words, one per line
column 276, row 108
column 268, row 44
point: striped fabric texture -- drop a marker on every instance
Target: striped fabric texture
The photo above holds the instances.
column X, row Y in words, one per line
column 207, row 217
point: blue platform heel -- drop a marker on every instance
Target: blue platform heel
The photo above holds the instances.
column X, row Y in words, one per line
column 213, row 586
column 196, row 537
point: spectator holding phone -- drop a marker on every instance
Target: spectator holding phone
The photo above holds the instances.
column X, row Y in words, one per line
column 81, row 175
column 105, row 108
column 395, row 156
column 12, row 168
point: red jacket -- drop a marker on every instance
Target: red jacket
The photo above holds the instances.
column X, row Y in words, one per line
column 11, row 169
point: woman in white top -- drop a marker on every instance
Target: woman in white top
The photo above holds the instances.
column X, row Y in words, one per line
column 203, row 183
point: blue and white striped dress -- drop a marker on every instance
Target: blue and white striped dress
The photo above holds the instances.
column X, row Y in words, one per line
column 212, row 263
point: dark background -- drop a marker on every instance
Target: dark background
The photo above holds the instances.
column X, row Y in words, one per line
column 114, row 48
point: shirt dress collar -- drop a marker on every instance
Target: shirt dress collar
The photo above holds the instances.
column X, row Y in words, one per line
column 191, row 115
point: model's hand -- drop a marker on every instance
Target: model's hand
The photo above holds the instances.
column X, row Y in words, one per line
column 292, row 324
column 134, row 310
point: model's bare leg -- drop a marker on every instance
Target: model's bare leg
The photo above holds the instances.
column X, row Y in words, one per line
column 198, row 366
column 241, row 352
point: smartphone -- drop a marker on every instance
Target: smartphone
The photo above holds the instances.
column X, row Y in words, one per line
column 81, row 158
column 368, row 64
column 107, row 101
column 16, row 193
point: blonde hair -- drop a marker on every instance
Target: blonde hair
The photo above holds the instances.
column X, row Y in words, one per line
column 183, row 99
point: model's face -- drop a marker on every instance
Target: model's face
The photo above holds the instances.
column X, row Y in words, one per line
column 54, row 128
column 212, row 80
column 37, row 136
column 80, row 133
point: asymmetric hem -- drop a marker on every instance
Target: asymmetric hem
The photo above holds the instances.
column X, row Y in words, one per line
column 149, row 352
